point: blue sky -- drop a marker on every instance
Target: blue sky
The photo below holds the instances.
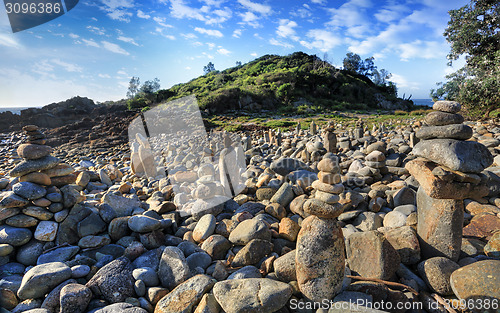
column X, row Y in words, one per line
column 96, row 48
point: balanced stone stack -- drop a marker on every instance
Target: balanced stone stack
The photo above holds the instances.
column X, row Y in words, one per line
column 320, row 255
column 448, row 170
column 38, row 166
column 34, row 209
column 329, row 139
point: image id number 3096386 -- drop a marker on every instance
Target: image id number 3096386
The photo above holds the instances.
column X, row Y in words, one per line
column 33, row 8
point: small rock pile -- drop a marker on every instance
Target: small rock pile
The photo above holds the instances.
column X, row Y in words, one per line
column 448, row 170
column 320, row 256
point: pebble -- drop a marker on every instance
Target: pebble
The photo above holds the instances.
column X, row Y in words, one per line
column 436, row 273
column 252, row 295
column 29, row 191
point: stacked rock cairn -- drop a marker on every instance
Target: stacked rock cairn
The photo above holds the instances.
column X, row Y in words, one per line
column 448, row 170
column 320, row 255
column 35, row 206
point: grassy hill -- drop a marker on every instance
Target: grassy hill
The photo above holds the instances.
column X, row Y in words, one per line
column 294, row 83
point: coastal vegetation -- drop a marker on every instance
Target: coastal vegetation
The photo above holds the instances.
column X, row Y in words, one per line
column 474, row 33
column 298, row 82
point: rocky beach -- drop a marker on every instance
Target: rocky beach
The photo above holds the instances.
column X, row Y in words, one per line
column 395, row 217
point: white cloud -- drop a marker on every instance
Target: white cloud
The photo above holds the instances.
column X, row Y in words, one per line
column 189, row 36
column 128, row 40
column 161, row 21
column 422, row 49
column 255, row 7
column 250, row 18
column 187, row 68
column 179, row 9
column 143, row 15
column 321, row 39
column 120, row 15
column 122, row 73
column 118, row 9
column 318, row 1
column 90, row 43
column 209, row 32
column 403, row 82
column 68, row 67
column 349, row 14
column 96, row 30
column 114, row 48
column 210, row 45
column 237, row 33
column 223, row 51
column 74, row 36
column 104, row 76
column 286, row 29
column 275, row 42
column 218, row 16
column 254, row 54
column 9, row 40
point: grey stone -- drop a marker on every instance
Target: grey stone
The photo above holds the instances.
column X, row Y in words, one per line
column 198, row 259
column 284, row 195
column 248, row 271
column 204, row 228
column 74, row 298
column 447, row 106
column 463, row 156
column 252, row 295
column 143, row 224
column 248, row 230
column 216, row 246
column 477, row 281
column 367, row 221
column 369, row 254
column 186, row 296
column 438, row 118
column 39, row 280
column 29, row 191
column 29, row 166
column 173, row 268
column 122, row 206
column 61, row 254
column 147, row 275
column 320, row 258
column 114, row 281
column 284, row 267
column 14, row 236
column 285, row 166
column 453, row 131
column 11, row 200
column 439, row 226
column 436, row 273
column 252, row 252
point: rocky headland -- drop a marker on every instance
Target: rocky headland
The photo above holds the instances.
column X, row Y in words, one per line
column 400, row 214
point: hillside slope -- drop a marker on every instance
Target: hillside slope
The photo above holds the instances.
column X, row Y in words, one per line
column 297, row 82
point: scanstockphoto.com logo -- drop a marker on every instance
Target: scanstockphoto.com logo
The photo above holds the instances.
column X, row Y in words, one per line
column 25, row 14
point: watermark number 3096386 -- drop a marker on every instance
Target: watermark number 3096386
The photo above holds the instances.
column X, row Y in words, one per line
column 25, row 14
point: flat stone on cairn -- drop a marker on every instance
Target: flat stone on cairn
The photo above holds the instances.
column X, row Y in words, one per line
column 446, row 170
column 320, row 254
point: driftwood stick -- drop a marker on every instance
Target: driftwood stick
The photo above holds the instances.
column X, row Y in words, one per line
column 443, row 303
column 56, row 247
column 388, row 283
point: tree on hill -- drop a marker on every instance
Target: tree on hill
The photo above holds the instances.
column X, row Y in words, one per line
column 133, row 87
column 150, row 86
column 210, row 67
column 353, row 63
column 474, row 32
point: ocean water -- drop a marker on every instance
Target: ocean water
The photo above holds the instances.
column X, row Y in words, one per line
column 426, row 102
column 15, row 110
